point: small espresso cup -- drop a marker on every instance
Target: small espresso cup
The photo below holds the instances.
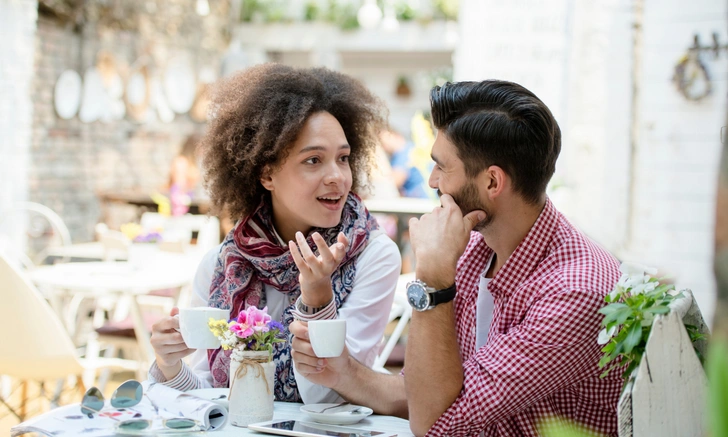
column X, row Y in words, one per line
column 193, row 324
column 327, row 337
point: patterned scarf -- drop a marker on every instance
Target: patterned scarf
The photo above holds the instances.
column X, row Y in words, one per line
column 252, row 256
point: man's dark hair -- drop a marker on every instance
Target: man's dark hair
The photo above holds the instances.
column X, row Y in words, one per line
column 499, row 123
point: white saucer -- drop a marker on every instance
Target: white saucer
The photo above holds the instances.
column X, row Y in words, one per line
column 343, row 415
column 213, row 394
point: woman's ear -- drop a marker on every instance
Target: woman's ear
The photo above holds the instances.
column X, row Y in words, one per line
column 266, row 179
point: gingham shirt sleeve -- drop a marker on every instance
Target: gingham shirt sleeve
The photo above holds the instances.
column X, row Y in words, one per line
column 554, row 347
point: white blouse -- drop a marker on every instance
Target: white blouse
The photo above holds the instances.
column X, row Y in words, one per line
column 366, row 310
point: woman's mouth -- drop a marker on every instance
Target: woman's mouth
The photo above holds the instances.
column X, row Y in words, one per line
column 330, row 202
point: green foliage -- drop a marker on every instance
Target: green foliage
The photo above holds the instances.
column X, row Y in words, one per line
column 559, row 427
column 628, row 318
column 717, row 367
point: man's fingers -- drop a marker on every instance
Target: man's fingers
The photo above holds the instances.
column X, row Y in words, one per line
column 473, row 218
column 446, row 200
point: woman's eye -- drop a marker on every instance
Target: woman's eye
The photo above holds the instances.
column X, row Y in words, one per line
column 312, row 160
column 345, row 158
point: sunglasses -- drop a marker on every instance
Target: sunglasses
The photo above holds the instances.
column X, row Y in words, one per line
column 129, row 394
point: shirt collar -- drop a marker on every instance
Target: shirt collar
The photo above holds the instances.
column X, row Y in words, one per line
column 529, row 253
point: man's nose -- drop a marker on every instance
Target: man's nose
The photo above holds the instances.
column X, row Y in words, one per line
column 434, row 180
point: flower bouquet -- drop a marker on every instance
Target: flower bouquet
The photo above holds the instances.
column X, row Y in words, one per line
column 250, row 338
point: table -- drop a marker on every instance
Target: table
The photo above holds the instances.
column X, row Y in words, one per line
column 146, row 271
column 199, row 205
column 288, row 411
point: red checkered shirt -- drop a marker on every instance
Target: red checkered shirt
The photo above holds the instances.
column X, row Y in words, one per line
column 540, row 360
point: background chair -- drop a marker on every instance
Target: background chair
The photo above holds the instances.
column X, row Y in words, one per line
column 39, row 348
column 45, row 230
column 400, row 309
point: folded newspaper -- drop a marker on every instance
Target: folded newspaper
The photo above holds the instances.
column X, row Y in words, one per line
column 158, row 403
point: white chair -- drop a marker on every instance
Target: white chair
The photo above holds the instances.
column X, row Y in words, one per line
column 402, row 309
column 44, row 228
column 36, row 346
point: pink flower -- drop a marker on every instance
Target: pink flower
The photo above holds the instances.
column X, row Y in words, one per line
column 259, row 319
column 241, row 330
column 250, row 321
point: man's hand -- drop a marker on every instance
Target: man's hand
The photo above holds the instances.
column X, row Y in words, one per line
column 322, row 371
column 439, row 239
column 315, row 277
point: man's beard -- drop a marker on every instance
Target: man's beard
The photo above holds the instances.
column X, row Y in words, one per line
column 467, row 199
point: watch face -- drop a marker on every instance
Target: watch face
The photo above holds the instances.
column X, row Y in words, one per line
column 417, row 296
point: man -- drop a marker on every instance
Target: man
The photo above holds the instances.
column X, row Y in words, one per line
column 505, row 335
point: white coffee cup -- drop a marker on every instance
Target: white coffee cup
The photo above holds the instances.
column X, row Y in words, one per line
column 193, row 324
column 327, row 337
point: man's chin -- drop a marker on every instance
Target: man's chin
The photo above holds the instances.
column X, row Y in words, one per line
column 481, row 226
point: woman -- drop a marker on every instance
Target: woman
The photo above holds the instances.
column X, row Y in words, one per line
column 283, row 153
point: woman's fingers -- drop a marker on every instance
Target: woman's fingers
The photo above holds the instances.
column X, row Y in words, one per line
column 166, row 324
column 304, row 358
column 306, row 251
column 297, row 258
column 326, row 255
column 169, row 349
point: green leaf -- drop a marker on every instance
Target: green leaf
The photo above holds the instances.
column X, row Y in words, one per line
column 634, row 336
column 609, row 309
column 658, row 310
column 609, row 347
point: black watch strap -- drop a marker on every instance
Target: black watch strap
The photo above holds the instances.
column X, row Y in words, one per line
column 443, row 296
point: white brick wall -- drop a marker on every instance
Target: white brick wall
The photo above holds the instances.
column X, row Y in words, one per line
column 587, row 83
column 17, row 49
column 679, row 148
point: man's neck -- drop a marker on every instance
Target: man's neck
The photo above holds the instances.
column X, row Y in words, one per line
column 508, row 229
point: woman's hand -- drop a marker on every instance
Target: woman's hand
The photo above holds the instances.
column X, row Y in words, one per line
column 315, row 277
column 169, row 347
column 322, row 371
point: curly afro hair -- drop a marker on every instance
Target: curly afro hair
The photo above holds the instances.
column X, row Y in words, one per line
column 257, row 115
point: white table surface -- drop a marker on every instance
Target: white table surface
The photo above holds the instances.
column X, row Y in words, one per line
column 139, row 276
column 289, row 411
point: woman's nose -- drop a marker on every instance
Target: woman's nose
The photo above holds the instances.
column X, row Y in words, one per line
column 333, row 175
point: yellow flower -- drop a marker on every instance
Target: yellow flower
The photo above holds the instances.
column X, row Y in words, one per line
column 218, row 327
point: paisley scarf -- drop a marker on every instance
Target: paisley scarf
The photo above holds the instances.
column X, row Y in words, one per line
column 252, row 256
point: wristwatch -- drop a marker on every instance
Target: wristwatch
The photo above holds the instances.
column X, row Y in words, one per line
column 423, row 298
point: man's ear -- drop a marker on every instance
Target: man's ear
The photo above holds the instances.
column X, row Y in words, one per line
column 266, row 179
column 496, row 180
